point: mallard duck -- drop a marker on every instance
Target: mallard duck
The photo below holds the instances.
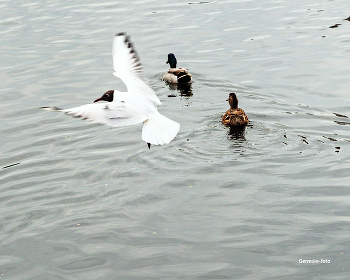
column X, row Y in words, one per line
column 137, row 105
column 176, row 75
column 234, row 116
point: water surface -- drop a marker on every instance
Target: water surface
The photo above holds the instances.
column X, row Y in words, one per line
column 84, row 201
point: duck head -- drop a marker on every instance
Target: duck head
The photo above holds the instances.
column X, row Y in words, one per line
column 172, row 60
column 107, row 96
column 232, row 100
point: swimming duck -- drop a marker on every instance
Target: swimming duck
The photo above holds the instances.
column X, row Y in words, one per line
column 176, row 75
column 234, row 116
column 137, row 105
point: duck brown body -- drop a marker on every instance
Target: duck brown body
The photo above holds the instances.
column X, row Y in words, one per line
column 234, row 116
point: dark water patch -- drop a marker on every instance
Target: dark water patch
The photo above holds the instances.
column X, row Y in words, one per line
column 330, row 138
column 184, row 90
column 11, row 165
column 340, row 115
column 199, row 3
column 342, row 123
column 335, row 25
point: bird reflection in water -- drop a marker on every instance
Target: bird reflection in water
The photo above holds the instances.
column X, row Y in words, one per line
column 237, row 139
column 237, row 133
column 184, row 89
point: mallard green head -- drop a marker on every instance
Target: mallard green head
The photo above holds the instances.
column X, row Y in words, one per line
column 232, row 100
column 172, row 60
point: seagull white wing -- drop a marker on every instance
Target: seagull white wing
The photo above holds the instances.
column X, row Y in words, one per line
column 128, row 67
column 112, row 113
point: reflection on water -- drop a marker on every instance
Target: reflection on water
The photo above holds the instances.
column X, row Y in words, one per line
column 184, row 89
column 14, row 164
column 237, row 132
column 342, row 122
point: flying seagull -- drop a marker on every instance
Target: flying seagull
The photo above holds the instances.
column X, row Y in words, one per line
column 137, row 105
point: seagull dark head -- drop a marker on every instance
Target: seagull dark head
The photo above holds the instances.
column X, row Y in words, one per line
column 107, row 96
column 172, row 60
column 232, row 100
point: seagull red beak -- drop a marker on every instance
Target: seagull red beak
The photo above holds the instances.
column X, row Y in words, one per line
column 98, row 99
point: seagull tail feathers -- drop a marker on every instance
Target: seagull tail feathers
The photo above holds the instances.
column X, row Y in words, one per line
column 159, row 130
column 51, row 108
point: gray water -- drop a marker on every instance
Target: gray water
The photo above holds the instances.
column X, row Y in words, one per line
column 86, row 201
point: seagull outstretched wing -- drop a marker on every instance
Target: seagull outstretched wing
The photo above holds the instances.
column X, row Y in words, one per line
column 128, row 67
